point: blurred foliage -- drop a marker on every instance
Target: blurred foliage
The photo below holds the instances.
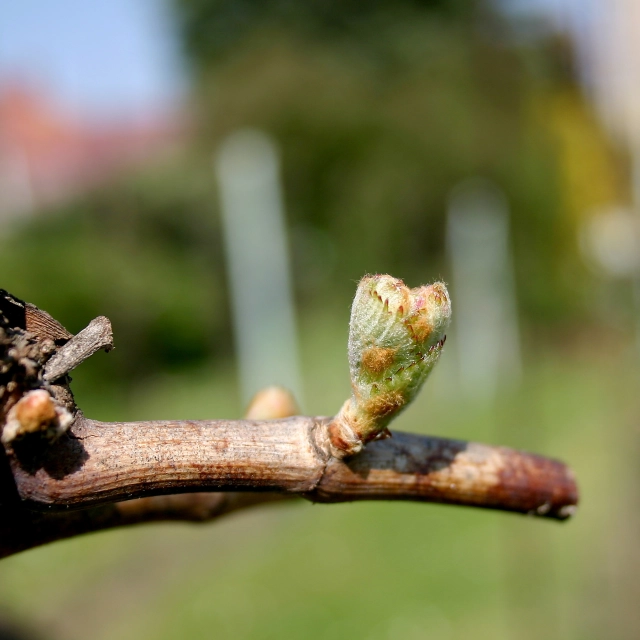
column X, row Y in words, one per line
column 143, row 253
column 213, row 28
column 379, row 109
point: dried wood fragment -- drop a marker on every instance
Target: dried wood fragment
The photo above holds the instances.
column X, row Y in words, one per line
column 24, row 315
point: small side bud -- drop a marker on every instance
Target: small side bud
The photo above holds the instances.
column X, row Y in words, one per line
column 396, row 335
column 272, row 403
column 36, row 412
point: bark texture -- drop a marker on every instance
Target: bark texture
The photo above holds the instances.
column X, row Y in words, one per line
column 97, row 462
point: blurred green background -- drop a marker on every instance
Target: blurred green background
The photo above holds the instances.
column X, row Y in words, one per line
column 379, row 109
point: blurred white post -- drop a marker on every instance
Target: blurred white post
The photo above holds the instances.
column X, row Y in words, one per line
column 247, row 170
column 635, row 276
column 483, row 289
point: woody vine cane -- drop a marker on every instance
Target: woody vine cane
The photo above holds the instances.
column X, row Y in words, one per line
column 63, row 473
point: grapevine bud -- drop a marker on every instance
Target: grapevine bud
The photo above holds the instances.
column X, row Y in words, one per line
column 396, row 335
column 272, row 403
column 36, row 412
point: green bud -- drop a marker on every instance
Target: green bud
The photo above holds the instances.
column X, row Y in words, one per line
column 396, row 335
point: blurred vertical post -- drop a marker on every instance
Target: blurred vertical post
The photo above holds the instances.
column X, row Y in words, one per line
column 248, row 175
column 483, row 288
column 635, row 276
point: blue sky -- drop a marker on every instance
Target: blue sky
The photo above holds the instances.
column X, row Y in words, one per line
column 109, row 58
column 102, row 58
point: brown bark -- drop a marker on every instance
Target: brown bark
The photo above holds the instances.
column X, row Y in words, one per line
column 22, row 528
column 98, row 462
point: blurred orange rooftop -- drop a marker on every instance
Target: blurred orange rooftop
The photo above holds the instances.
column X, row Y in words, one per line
column 48, row 154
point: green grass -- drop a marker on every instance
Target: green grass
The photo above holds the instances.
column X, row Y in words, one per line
column 373, row 571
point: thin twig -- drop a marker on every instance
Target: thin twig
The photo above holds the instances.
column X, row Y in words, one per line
column 95, row 336
column 22, row 528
